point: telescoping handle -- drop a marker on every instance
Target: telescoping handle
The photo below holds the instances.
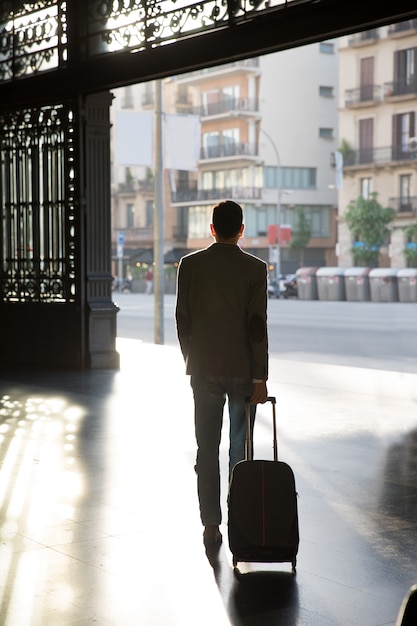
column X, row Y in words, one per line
column 248, row 441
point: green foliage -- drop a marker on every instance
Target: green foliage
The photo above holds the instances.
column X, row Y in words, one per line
column 410, row 252
column 347, row 151
column 301, row 233
column 368, row 222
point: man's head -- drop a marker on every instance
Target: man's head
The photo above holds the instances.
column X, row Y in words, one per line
column 227, row 220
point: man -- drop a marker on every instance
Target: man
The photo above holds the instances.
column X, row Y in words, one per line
column 221, row 326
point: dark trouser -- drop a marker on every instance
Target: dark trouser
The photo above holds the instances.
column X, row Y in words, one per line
column 209, row 399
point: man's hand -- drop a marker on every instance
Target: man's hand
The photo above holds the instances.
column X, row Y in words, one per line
column 260, row 393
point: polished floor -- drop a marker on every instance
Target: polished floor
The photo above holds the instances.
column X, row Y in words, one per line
column 99, row 521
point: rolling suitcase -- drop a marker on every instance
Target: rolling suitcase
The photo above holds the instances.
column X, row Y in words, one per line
column 262, row 505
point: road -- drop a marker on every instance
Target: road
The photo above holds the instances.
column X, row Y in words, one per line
column 357, row 334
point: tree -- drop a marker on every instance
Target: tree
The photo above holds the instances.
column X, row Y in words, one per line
column 368, row 222
column 410, row 251
column 301, row 234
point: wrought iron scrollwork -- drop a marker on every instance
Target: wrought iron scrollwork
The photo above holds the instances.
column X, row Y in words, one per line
column 32, row 37
column 37, row 204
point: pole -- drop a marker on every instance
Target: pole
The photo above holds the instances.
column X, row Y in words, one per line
column 158, row 243
column 277, row 216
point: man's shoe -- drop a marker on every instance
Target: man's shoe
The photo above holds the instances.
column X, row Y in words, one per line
column 212, row 535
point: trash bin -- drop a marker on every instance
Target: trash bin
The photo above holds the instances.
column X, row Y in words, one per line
column 357, row 284
column 383, row 284
column 407, row 285
column 307, row 283
column 331, row 283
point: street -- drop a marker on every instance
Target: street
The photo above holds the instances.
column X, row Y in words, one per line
column 358, row 334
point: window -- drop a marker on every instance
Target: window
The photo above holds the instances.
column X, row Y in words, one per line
column 149, row 213
column 230, row 96
column 199, row 218
column 403, row 130
column 326, row 48
column 127, row 101
column 210, row 102
column 367, row 79
column 257, row 219
column 405, row 68
column 182, row 94
column 230, row 140
column 326, row 92
column 365, row 188
column 211, row 145
column 317, row 215
column 130, row 215
column 290, row 178
column 366, row 140
column 405, row 186
column 326, row 133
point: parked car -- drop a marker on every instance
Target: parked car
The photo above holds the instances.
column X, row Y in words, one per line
column 276, row 287
column 290, row 286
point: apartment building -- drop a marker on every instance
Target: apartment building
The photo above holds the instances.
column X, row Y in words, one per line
column 268, row 130
column 377, row 130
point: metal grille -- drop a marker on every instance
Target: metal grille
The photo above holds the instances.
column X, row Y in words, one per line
column 138, row 24
column 33, row 37
column 37, row 202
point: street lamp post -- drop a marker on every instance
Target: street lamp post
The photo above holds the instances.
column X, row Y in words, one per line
column 277, row 216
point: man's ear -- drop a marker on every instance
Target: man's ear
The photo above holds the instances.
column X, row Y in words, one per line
column 242, row 228
column 212, row 230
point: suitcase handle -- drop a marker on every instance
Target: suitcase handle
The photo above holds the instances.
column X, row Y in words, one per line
column 248, row 442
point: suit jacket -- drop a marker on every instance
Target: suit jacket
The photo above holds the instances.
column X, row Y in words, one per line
column 221, row 312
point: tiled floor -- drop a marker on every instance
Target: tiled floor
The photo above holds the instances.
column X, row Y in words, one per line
column 99, row 519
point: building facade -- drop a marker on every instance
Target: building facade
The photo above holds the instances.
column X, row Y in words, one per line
column 377, row 131
column 268, row 130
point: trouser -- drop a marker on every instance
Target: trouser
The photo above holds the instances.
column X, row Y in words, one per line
column 209, row 399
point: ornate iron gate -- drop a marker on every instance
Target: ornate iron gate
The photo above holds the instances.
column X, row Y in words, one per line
column 38, row 226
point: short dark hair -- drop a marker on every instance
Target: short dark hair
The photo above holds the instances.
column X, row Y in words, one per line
column 227, row 218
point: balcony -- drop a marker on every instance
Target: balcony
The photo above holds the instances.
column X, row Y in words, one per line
column 404, row 206
column 205, row 195
column 226, row 106
column 134, row 235
column 198, row 76
column 364, row 38
column 402, row 28
column 222, row 151
column 363, row 96
column 401, row 88
column 377, row 156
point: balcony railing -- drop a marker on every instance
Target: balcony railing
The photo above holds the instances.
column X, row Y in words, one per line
column 231, row 193
column 366, row 36
column 404, row 205
column 402, row 27
column 228, row 150
column 401, row 88
column 241, row 105
column 246, row 63
column 377, row 155
column 362, row 95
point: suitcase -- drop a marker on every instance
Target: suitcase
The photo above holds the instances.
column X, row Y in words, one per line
column 262, row 506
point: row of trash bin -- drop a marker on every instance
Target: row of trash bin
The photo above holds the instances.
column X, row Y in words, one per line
column 357, row 284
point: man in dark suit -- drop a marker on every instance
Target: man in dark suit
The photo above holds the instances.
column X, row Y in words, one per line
column 221, row 314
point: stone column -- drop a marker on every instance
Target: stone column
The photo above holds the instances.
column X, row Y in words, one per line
column 100, row 310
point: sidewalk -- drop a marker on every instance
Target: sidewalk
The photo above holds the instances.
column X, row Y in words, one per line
column 99, row 516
